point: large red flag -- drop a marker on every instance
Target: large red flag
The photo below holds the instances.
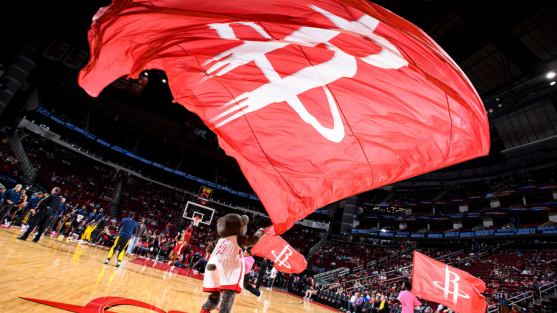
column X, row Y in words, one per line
column 317, row 100
column 436, row 281
column 274, row 248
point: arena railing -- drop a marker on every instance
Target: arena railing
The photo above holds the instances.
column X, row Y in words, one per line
column 381, row 282
column 373, row 262
column 396, row 255
column 544, row 289
column 21, row 154
column 344, row 271
column 324, row 277
column 357, row 269
column 323, row 241
column 518, row 298
column 396, row 270
column 370, row 264
column 479, row 255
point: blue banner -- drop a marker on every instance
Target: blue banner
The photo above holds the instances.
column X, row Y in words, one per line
column 8, row 180
column 131, row 155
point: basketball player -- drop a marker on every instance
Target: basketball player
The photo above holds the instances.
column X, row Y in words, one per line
column 35, row 199
column 78, row 216
column 18, row 207
column 101, row 226
column 128, row 227
column 65, row 223
column 89, row 226
column 187, row 235
column 45, row 209
column 92, row 225
column 178, row 250
column 9, row 199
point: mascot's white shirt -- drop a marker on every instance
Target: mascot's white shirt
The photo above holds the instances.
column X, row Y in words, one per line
column 226, row 248
column 229, row 275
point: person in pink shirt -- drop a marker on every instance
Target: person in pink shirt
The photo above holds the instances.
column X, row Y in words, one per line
column 248, row 263
column 407, row 299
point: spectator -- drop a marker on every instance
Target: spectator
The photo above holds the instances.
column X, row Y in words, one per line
column 407, row 299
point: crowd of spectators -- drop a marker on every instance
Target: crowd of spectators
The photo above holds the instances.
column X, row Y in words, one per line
column 85, row 181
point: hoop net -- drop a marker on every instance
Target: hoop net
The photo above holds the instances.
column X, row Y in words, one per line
column 196, row 220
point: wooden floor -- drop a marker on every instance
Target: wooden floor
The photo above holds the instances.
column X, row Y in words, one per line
column 75, row 275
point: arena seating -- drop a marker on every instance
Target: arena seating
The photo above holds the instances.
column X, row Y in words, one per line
column 507, row 270
column 8, row 162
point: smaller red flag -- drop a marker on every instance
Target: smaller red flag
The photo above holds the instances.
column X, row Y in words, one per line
column 436, row 281
column 274, row 248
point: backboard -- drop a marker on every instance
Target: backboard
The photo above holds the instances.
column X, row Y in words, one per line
column 194, row 209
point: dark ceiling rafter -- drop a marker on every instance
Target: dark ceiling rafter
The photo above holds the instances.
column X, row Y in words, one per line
column 491, row 22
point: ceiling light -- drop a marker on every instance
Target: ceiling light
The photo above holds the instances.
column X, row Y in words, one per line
column 164, row 80
column 497, row 99
column 500, row 105
column 552, row 83
column 550, row 75
column 490, row 110
column 383, row 230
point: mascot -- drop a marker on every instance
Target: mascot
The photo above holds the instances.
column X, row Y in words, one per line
column 225, row 270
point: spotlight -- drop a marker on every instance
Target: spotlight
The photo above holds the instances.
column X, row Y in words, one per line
column 500, row 105
column 552, row 83
column 497, row 99
column 490, row 110
column 145, row 73
column 550, row 75
column 164, row 80
column 383, row 230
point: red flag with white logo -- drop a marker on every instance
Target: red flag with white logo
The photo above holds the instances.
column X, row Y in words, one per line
column 436, row 281
column 317, row 100
column 274, row 248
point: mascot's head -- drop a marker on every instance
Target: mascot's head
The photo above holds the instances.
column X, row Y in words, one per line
column 232, row 224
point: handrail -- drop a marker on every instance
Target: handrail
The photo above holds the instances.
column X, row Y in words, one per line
column 450, row 254
column 380, row 282
column 331, row 276
column 495, row 250
column 546, row 223
column 481, row 255
column 402, row 268
column 26, row 165
column 330, row 272
column 551, row 285
column 522, row 296
column 323, row 241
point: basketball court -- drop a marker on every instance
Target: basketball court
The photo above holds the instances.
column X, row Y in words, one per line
column 73, row 277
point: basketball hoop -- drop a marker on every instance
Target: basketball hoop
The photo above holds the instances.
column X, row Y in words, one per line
column 196, row 220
